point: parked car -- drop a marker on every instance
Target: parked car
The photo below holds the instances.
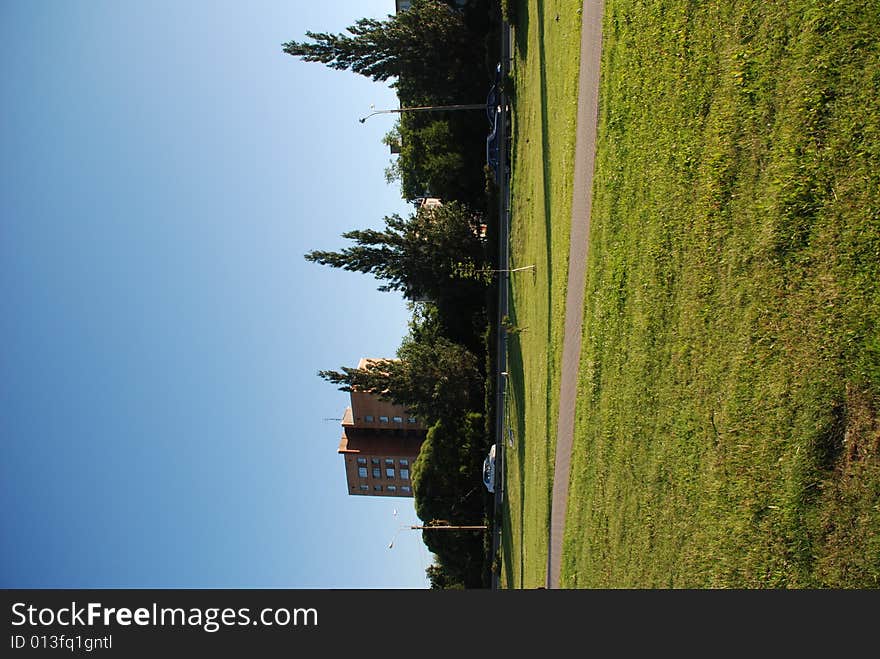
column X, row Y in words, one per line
column 489, row 470
column 493, row 99
column 493, row 150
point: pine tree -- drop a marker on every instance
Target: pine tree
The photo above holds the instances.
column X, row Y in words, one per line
column 428, row 49
column 432, row 255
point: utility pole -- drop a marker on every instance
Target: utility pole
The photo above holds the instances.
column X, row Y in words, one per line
column 520, row 269
column 440, row 525
column 428, row 108
column 452, row 528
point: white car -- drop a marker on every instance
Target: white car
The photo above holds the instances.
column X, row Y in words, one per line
column 489, row 470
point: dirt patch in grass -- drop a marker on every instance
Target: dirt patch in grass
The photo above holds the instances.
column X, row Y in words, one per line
column 850, row 513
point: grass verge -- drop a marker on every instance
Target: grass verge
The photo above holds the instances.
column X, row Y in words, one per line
column 547, row 51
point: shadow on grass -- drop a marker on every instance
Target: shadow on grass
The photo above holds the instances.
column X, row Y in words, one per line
column 548, row 228
column 516, row 378
column 515, row 387
column 521, row 29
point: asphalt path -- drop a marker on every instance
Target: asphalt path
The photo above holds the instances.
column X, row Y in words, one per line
column 584, row 159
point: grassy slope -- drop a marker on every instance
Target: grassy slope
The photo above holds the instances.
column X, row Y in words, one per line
column 727, row 430
column 545, row 69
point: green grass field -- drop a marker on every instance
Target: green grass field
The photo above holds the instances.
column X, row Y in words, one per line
column 545, row 71
column 727, row 431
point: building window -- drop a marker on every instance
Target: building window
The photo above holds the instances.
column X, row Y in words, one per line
column 362, row 472
column 383, row 419
column 404, row 462
column 404, row 474
column 377, row 488
column 392, row 488
column 365, row 487
column 377, row 473
column 389, row 461
column 398, row 419
column 368, row 418
column 411, row 419
column 362, row 461
column 406, row 488
column 374, row 461
column 389, row 472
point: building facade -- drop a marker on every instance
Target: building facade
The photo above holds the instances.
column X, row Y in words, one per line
column 380, row 441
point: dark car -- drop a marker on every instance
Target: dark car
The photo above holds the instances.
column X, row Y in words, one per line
column 493, row 147
column 493, row 100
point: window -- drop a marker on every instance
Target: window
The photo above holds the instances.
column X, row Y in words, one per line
column 390, row 472
column 377, row 473
column 392, row 488
column 368, row 418
column 406, row 488
column 398, row 419
column 377, row 488
column 362, row 472
column 404, row 462
column 411, row 419
column 389, row 461
column 404, row 474
column 374, row 461
column 365, row 487
column 362, row 461
column 383, row 419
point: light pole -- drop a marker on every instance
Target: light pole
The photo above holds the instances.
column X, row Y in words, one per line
column 439, row 527
column 391, row 544
column 525, row 267
column 427, row 108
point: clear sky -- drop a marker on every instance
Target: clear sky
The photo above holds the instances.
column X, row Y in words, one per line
column 165, row 166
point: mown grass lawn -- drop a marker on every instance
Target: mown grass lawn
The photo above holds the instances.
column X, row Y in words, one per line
column 727, row 431
column 547, row 54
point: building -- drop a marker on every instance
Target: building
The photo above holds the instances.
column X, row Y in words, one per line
column 380, row 441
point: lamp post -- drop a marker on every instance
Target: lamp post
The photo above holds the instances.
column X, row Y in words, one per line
column 427, row 108
column 439, row 527
column 525, row 267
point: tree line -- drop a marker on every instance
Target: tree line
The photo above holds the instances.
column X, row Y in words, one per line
column 434, row 53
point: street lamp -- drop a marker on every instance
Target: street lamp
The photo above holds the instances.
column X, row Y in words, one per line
column 439, row 527
column 391, row 544
column 427, row 108
column 525, row 267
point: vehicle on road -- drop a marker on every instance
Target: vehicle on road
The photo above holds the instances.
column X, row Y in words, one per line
column 489, row 470
column 495, row 116
column 493, row 99
column 493, row 146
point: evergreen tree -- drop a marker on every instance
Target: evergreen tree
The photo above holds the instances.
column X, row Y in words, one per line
column 432, row 379
column 437, row 252
column 428, row 48
column 440, row 578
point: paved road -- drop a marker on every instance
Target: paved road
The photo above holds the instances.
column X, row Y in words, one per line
column 584, row 158
column 503, row 287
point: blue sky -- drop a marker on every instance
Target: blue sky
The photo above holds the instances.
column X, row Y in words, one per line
column 165, row 166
